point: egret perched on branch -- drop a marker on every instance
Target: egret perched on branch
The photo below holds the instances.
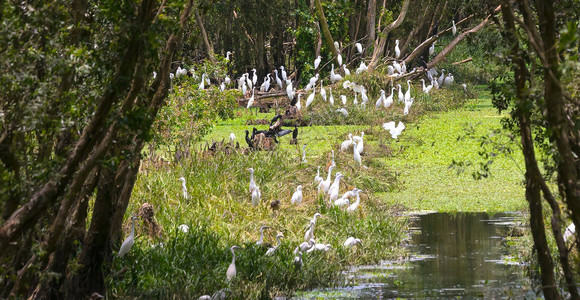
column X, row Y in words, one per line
column 333, row 76
column 453, row 27
column 359, row 48
column 432, row 49
column 272, row 249
column 128, row 243
column 231, row 272
column 397, row 50
column 202, row 83
column 362, row 68
column 310, row 98
column 278, row 81
column 346, row 70
column 289, row 90
column 336, row 46
column 339, row 59
column 283, row 73
column 261, row 240
column 297, row 196
column 228, row 55
column 298, row 104
column 312, row 82
column 395, row 131
column 254, row 77
column 184, row 188
column 317, row 62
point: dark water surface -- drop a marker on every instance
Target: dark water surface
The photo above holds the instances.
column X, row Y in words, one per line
column 454, row 255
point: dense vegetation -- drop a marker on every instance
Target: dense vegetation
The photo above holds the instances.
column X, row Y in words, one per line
column 89, row 136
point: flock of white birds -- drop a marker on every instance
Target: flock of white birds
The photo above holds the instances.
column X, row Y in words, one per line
column 327, row 188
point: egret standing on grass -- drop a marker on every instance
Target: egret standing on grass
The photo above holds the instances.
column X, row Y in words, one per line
column 389, row 100
column 325, row 184
column 351, row 241
column 310, row 231
column 272, row 249
column 304, row 154
column 331, row 98
column 357, row 157
column 231, row 273
column 128, row 243
column 322, row 91
column 261, row 240
column 184, row 188
column 305, row 246
column 297, row 196
column 251, row 101
column 401, row 95
column 353, row 207
column 318, row 179
column 394, row 131
column 335, row 187
column 408, row 92
column 256, row 195
column 253, row 184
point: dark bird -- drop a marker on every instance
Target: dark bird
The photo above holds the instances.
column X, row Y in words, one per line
column 295, row 132
column 283, row 132
column 276, row 118
column 248, row 140
column 275, row 205
column 294, row 101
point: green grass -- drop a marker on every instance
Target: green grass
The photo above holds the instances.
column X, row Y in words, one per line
column 422, row 156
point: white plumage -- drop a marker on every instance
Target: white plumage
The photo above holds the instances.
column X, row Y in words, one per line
column 128, row 243
column 297, row 196
column 394, row 130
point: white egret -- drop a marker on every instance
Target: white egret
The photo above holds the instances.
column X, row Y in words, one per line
column 449, row 79
column 379, row 102
column 441, row 78
column 298, row 104
column 154, row 74
column 346, row 70
column 434, row 83
column 325, row 184
column 343, row 110
column 254, row 77
column 401, row 95
column 432, row 49
column 351, row 241
column 128, row 243
column 251, row 101
column 227, row 80
column 253, row 184
column 343, row 99
column 183, row 228
column 283, row 73
column 453, row 27
column 266, row 84
column 256, row 195
column 331, row 98
column 312, row 82
column 389, row 100
column 202, row 83
column 228, row 55
column 341, row 202
column 261, row 240
column 170, row 76
column 310, row 98
column 335, row 187
column 320, row 247
column 333, row 76
column 359, row 48
column 184, row 188
column 297, row 196
column 569, row 232
column 231, row 272
column 408, row 92
column 347, row 143
column 403, row 68
column 408, row 106
column 353, row 207
column 390, row 70
column 318, row 179
column 350, row 194
column 304, row 154
column 289, row 90
column 278, row 81
column 322, row 91
column 249, row 81
column 310, row 231
column 332, row 156
column 355, row 101
column 317, row 62
column 357, row 157
column 304, row 246
column 464, row 86
column 362, row 68
column 222, row 86
column 364, row 97
column 337, row 46
column 316, row 215
column 339, row 59
column 360, row 142
column 394, row 130
column 397, row 50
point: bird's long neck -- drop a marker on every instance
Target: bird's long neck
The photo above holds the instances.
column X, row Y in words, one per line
column 133, row 228
column 233, row 256
column 329, row 174
column 261, row 234
column 251, row 175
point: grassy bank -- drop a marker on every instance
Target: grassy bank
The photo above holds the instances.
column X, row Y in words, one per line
column 174, row 264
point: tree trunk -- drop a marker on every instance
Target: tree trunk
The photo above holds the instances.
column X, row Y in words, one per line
column 206, row 41
column 371, row 23
column 416, row 28
column 325, row 30
column 382, row 40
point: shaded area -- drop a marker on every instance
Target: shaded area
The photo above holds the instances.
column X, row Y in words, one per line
column 454, row 255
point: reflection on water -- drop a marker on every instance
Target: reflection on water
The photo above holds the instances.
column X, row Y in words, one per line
column 460, row 255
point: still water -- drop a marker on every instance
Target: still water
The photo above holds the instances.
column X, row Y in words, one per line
column 460, row 255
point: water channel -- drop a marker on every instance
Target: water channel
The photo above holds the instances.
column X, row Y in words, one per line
column 459, row 255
